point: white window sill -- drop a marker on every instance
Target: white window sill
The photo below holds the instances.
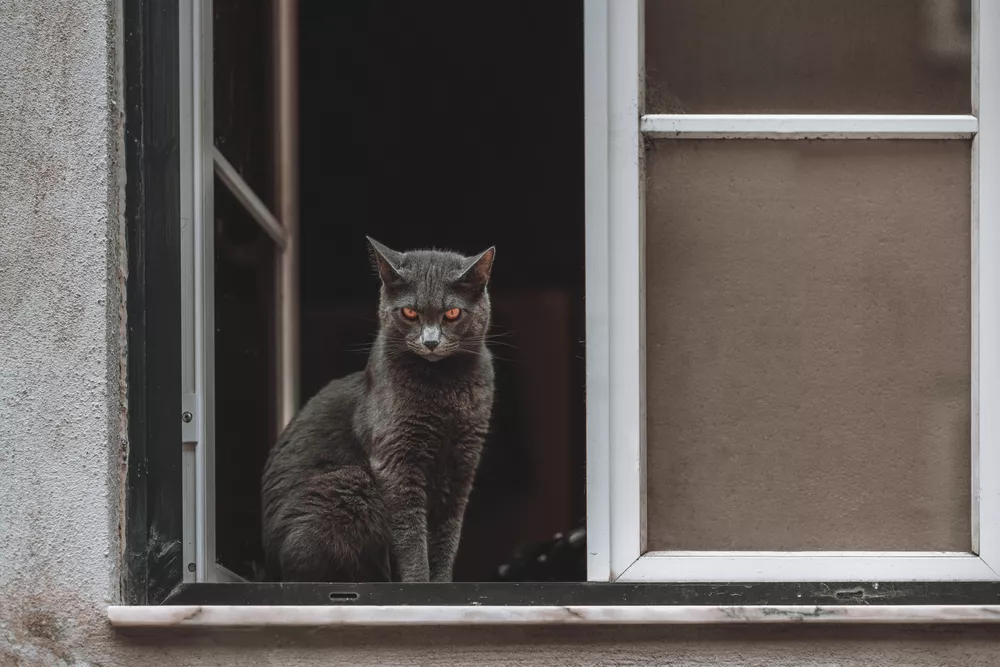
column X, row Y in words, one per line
column 370, row 615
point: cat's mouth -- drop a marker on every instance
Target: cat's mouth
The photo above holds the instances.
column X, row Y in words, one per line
column 436, row 354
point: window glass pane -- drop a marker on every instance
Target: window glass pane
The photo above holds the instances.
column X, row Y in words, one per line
column 808, row 345
column 245, row 420
column 808, row 56
column 243, row 96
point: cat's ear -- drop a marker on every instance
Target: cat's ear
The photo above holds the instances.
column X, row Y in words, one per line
column 477, row 272
column 386, row 262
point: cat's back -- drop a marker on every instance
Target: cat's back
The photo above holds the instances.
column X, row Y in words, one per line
column 322, row 432
column 322, row 516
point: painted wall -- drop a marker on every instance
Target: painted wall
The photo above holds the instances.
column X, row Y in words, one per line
column 61, row 419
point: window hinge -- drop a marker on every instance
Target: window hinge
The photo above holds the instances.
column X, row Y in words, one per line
column 189, row 419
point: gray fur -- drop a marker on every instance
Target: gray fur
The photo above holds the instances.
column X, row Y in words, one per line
column 369, row 482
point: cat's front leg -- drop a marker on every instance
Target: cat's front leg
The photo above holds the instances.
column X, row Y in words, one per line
column 448, row 511
column 406, row 499
column 445, row 534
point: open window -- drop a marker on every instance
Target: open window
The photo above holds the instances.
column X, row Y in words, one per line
column 754, row 245
column 239, row 275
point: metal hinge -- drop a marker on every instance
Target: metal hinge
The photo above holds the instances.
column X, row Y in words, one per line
column 189, row 419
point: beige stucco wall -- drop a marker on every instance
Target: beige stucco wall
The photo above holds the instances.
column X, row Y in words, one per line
column 61, row 420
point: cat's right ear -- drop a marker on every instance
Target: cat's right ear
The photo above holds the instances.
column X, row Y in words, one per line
column 387, row 262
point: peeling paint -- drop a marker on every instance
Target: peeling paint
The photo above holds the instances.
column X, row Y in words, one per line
column 116, row 302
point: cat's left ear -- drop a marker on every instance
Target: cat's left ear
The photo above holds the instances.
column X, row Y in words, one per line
column 477, row 271
column 387, row 262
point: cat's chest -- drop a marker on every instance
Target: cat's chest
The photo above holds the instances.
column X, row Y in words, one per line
column 465, row 398
column 439, row 417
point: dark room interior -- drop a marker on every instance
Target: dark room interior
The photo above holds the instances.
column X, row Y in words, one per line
column 451, row 125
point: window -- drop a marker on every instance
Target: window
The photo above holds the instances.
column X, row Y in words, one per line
column 239, row 277
column 790, row 315
column 799, row 322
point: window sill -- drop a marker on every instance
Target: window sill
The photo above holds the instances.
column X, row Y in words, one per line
column 220, row 616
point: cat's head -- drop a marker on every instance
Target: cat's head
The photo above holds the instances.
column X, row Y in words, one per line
column 433, row 303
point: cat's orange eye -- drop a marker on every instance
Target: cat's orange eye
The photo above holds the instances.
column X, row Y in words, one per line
column 453, row 314
column 409, row 313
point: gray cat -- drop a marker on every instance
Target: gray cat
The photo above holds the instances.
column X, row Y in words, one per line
column 369, row 482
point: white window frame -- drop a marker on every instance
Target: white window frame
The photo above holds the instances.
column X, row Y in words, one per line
column 616, row 129
column 199, row 160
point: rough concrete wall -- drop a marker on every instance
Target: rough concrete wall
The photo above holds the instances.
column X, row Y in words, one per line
column 61, row 421
column 60, row 142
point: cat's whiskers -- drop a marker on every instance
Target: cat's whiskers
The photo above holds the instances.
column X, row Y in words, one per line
column 368, row 347
column 480, row 353
column 502, row 343
column 489, row 340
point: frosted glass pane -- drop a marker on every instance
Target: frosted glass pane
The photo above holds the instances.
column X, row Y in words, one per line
column 808, row 345
column 808, row 56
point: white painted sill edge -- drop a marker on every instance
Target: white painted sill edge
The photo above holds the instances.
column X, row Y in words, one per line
column 370, row 615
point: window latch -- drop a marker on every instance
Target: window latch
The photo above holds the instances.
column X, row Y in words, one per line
column 189, row 419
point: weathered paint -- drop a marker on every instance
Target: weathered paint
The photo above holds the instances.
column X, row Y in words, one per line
column 62, row 422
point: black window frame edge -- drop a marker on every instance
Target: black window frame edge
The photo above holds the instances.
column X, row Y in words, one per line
column 152, row 565
column 153, row 525
column 809, row 594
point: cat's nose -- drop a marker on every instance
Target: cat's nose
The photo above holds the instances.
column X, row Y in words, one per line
column 431, row 344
